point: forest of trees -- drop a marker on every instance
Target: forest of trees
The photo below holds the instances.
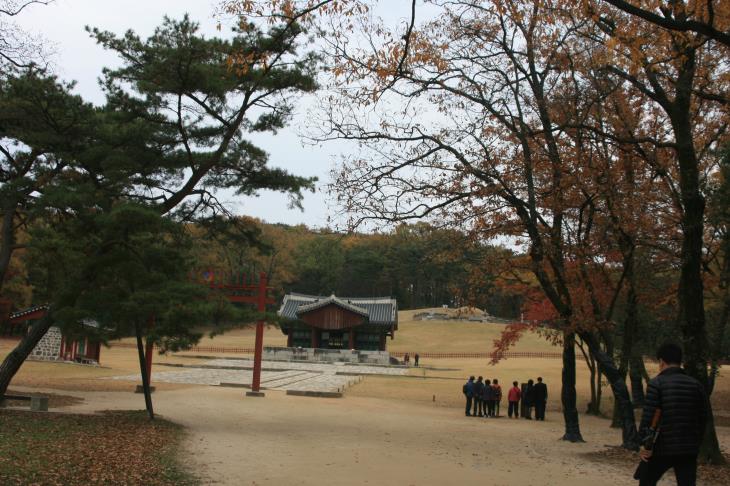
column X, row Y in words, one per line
column 419, row 265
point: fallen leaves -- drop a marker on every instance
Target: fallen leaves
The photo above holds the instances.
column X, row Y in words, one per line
column 70, row 449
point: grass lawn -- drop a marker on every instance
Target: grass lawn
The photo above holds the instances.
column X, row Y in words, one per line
column 412, row 336
column 457, row 337
column 71, row 449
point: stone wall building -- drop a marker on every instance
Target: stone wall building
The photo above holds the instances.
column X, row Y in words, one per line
column 54, row 346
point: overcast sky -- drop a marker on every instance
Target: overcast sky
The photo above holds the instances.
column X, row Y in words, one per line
column 77, row 57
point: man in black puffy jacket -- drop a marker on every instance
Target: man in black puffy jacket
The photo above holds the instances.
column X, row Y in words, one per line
column 684, row 409
column 478, row 394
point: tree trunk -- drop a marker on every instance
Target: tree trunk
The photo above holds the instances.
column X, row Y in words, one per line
column 6, row 244
column 637, row 381
column 599, row 390
column 593, row 406
column 691, row 314
column 718, row 335
column 17, row 356
column 568, row 394
column 143, row 371
column 622, row 399
column 710, row 448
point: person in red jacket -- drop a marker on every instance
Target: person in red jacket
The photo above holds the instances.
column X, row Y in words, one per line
column 514, row 396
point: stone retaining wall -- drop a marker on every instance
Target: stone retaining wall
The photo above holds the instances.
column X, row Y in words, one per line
column 49, row 347
column 326, row 355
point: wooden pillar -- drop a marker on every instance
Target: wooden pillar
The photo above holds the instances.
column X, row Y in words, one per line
column 352, row 339
column 382, row 342
column 148, row 357
column 289, row 339
column 60, row 351
column 315, row 338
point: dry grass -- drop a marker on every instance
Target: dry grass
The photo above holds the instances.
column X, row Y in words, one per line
column 441, row 378
column 72, row 376
column 244, row 337
column 457, row 337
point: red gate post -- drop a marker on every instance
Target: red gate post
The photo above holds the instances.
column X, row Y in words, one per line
column 148, row 356
column 256, row 382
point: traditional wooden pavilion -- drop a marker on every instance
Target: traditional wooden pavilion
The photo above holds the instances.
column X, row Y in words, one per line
column 338, row 322
column 54, row 345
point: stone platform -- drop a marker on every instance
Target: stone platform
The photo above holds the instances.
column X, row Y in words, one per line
column 277, row 375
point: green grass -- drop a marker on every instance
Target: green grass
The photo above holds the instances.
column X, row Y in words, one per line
column 73, row 449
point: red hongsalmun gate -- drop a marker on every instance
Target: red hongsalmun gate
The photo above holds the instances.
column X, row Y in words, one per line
column 240, row 291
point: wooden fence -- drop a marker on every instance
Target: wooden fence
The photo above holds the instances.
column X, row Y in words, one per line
column 486, row 355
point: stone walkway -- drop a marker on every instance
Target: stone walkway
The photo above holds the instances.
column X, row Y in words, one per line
column 278, row 375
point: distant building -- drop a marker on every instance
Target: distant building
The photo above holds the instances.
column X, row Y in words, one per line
column 54, row 346
column 338, row 322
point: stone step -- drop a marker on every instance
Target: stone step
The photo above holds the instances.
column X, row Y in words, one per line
column 324, row 382
column 282, row 381
column 287, row 385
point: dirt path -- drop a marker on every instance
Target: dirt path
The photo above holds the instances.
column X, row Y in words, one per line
column 285, row 440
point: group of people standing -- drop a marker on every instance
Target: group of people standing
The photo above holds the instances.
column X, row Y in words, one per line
column 407, row 359
column 484, row 396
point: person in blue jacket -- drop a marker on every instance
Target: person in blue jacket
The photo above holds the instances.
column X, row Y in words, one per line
column 468, row 390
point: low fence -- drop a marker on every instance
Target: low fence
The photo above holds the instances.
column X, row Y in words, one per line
column 195, row 349
column 508, row 354
column 397, row 354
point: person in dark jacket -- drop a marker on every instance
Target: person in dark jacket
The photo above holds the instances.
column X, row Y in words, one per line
column 489, row 396
column 684, row 412
column 478, row 393
column 468, row 390
column 486, row 396
column 529, row 399
column 496, row 396
column 539, row 397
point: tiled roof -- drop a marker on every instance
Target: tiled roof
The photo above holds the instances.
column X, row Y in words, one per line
column 29, row 310
column 35, row 308
column 317, row 304
column 379, row 310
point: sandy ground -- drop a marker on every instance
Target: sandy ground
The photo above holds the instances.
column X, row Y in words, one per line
column 386, row 430
column 285, row 440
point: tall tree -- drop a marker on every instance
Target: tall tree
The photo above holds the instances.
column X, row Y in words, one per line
column 121, row 269
column 686, row 81
column 173, row 130
column 494, row 155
